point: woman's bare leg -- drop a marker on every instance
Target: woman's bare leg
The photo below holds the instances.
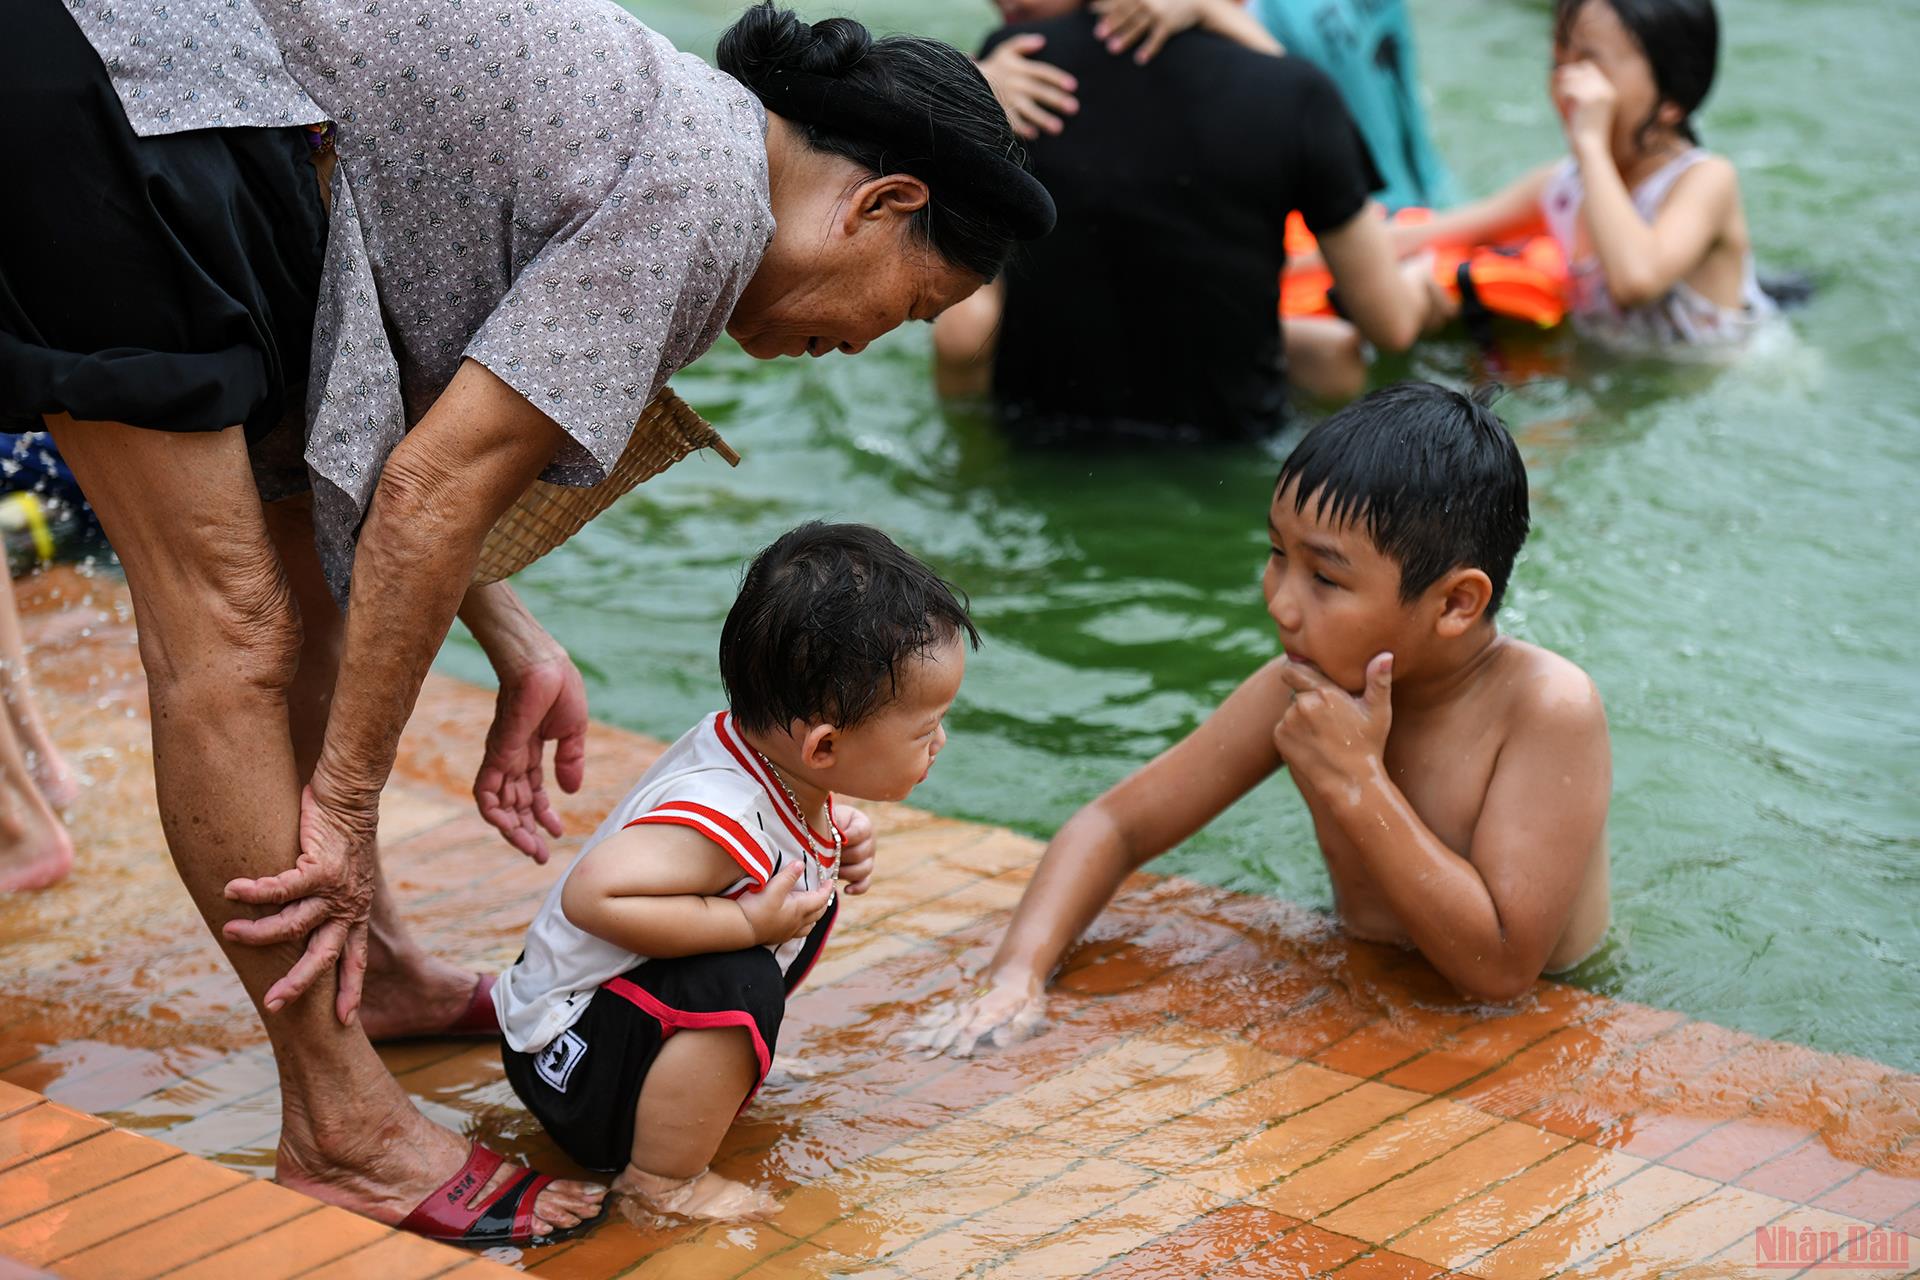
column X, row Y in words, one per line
column 691, row 1095
column 220, row 641
column 35, row 850
column 1325, row 357
column 49, row 768
column 408, row 992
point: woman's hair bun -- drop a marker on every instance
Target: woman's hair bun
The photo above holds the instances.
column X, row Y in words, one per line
column 766, row 39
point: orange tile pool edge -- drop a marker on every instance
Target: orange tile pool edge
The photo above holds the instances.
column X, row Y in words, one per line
column 1229, row 1087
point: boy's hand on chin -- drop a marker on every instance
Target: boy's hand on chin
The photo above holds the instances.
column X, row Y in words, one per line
column 1328, row 734
column 856, row 858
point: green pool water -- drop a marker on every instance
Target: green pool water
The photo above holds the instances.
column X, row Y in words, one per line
column 1730, row 553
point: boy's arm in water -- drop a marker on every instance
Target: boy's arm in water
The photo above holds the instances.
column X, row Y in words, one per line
column 1488, row 920
column 654, row 890
column 1512, row 213
column 1175, row 795
column 1151, row 23
column 1641, row 261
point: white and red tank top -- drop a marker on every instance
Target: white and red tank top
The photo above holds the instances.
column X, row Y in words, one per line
column 710, row 781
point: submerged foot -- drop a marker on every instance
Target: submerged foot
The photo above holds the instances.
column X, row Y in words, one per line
column 384, row 1168
column 35, row 850
column 416, row 995
column 705, row 1197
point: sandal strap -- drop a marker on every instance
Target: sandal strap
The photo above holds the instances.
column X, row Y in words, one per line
column 445, row 1213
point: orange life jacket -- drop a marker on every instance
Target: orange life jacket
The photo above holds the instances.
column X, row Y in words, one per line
column 1526, row 279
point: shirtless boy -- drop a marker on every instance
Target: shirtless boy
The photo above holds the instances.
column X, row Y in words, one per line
column 1458, row 778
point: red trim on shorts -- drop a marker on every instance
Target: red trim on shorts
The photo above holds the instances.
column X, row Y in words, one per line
column 820, row 950
column 672, row 1020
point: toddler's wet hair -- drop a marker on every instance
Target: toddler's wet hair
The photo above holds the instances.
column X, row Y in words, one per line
column 825, row 621
column 1432, row 475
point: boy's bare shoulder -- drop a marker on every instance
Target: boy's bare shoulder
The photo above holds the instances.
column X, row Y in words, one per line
column 1549, row 691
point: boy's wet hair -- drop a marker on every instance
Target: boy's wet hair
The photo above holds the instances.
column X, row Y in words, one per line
column 1432, row 476
column 1681, row 41
column 825, row 620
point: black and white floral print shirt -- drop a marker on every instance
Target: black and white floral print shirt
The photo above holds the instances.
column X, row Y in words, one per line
column 545, row 186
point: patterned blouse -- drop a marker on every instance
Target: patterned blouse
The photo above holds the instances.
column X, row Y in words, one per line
column 545, row 186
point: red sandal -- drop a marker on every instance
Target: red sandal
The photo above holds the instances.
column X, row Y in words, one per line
column 505, row 1218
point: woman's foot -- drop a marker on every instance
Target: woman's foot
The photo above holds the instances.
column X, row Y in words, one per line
column 413, row 994
column 705, row 1197
column 35, row 850
column 384, row 1167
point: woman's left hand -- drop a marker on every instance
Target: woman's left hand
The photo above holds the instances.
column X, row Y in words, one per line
column 856, row 857
column 541, row 701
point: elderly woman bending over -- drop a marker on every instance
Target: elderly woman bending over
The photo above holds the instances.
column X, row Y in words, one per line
column 299, row 405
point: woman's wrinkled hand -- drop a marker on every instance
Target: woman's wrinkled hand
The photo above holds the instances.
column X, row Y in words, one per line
column 1003, row 1012
column 325, row 898
column 1148, row 24
column 1034, row 94
column 543, row 701
column 856, row 855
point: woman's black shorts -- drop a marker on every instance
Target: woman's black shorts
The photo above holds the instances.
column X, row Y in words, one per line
column 165, row 282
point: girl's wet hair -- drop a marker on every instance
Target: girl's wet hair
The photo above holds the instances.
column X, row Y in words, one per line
column 1432, row 475
column 899, row 104
column 825, row 620
column 1680, row 38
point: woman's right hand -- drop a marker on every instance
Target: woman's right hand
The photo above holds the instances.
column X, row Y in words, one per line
column 325, row 898
column 1035, row 94
column 780, row 910
column 1007, row 1009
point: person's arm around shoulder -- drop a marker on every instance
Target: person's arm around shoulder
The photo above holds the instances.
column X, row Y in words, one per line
column 1511, row 213
column 654, row 890
column 1151, row 23
column 1172, row 797
column 1035, row 94
column 1488, row 919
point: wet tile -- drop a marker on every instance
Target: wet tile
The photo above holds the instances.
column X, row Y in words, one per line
column 1873, row 1196
column 1089, row 1243
column 86, row 1220
column 1734, row 1148
column 395, row 1256
column 1204, row 1247
column 1131, row 1062
column 194, row 1232
column 1384, row 1264
column 1374, row 1158
column 1500, row 1152
column 1806, row 1237
column 1699, row 1230
column 1653, row 1135
column 75, row 1170
column 717, row 1252
column 1532, row 1075
column 1268, row 1156
column 32, row 1133
column 1505, row 1210
column 13, row 1098
column 1591, row 1225
column 1208, row 1131
column 1303, row 1252
column 297, row 1245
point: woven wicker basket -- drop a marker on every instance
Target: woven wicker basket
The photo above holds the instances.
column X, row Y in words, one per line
column 548, row 514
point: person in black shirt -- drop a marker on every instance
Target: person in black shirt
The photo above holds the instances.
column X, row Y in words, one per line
column 1153, row 308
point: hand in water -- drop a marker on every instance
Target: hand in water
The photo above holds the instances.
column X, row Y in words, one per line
column 780, row 912
column 545, row 701
column 856, row 859
column 1004, row 1012
column 1033, row 93
column 325, row 898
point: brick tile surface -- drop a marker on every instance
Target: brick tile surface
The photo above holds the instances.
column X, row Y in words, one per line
column 1227, row 1087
